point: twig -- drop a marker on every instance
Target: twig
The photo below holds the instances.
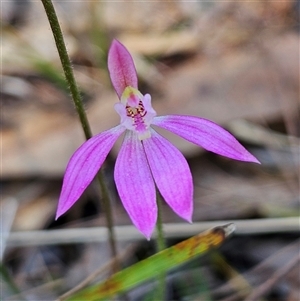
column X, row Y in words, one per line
column 267, row 286
column 259, row 269
column 10, row 205
column 52, row 286
column 128, row 251
column 126, row 233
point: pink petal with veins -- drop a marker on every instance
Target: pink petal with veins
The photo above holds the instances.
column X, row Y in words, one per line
column 171, row 174
column 121, row 68
column 83, row 166
column 135, row 184
column 205, row 133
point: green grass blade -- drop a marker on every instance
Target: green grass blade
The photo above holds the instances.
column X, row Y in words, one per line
column 156, row 264
column 50, row 72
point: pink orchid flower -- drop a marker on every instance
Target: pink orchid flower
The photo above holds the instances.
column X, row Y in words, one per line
column 146, row 159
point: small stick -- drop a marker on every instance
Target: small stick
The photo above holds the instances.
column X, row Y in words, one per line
column 129, row 233
column 267, row 286
column 259, row 269
column 128, row 251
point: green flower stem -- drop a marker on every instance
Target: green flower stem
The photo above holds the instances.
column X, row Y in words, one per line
column 66, row 64
column 161, row 242
column 109, row 219
column 160, row 245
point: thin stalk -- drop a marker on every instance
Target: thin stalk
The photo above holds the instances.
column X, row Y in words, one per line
column 68, row 71
column 66, row 64
column 160, row 241
column 109, row 218
column 160, row 245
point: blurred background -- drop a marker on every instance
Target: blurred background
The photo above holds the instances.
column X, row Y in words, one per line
column 235, row 63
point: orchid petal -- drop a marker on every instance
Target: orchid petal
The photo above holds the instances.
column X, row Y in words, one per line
column 205, row 133
column 135, row 184
column 171, row 174
column 83, row 166
column 121, row 68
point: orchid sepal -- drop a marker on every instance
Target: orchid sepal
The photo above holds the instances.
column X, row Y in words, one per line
column 84, row 165
column 121, row 68
column 206, row 134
